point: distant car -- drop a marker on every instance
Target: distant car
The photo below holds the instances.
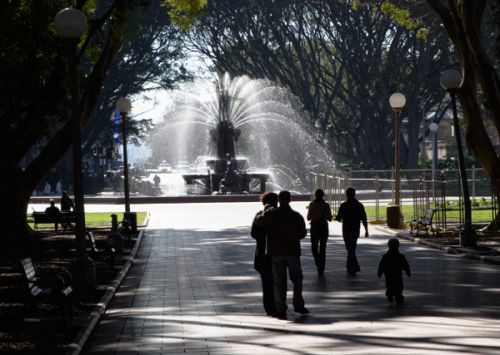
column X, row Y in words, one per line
column 164, row 167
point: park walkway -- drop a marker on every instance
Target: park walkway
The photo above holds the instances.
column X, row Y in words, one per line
column 193, row 290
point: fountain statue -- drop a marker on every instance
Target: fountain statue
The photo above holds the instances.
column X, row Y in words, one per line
column 226, row 173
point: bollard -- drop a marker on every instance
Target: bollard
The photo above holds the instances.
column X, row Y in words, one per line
column 114, row 222
column 394, row 217
column 115, row 236
column 131, row 217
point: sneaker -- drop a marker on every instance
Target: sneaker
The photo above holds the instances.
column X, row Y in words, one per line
column 301, row 310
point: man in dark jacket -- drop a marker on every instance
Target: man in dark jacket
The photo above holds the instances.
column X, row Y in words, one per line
column 351, row 213
column 319, row 213
column 262, row 262
column 286, row 228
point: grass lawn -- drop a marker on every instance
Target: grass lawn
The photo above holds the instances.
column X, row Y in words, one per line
column 100, row 219
column 477, row 215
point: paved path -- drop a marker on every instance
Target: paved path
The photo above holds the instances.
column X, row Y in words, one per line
column 193, row 291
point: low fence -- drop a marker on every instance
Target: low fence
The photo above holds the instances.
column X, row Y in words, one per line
column 420, row 190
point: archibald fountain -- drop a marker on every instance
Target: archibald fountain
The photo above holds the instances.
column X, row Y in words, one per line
column 225, row 173
column 246, row 116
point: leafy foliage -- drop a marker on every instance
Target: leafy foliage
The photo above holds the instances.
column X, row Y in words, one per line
column 342, row 62
column 183, row 13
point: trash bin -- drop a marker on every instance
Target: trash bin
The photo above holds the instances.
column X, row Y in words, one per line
column 132, row 218
column 394, row 217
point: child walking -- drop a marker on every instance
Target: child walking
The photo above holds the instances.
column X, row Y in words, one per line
column 392, row 265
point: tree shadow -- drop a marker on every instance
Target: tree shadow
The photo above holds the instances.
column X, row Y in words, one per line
column 196, row 289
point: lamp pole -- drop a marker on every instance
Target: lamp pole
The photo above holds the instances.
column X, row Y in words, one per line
column 123, row 105
column 71, row 24
column 434, row 127
column 451, row 80
column 397, row 102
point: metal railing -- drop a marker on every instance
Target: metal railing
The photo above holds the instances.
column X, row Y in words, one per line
column 419, row 192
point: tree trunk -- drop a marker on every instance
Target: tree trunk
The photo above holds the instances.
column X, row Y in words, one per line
column 463, row 27
column 15, row 230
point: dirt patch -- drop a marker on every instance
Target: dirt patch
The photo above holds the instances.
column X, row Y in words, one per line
column 40, row 328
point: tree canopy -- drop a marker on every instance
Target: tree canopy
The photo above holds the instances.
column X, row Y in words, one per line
column 341, row 61
column 35, row 97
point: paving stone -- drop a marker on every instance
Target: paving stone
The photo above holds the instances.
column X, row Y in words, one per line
column 193, row 289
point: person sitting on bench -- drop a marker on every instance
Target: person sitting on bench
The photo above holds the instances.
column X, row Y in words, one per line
column 53, row 213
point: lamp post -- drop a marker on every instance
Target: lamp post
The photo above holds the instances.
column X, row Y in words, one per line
column 123, row 105
column 434, row 128
column 71, row 24
column 397, row 102
column 451, row 80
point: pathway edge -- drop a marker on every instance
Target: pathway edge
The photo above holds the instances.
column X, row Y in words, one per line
column 81, row 338
column 448, row 250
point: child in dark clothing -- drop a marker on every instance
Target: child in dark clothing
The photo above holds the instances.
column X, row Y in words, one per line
column 392, row 265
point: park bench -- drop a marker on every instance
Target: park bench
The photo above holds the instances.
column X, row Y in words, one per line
column 54, row 287
column 424, row 223
column 65, row 218
column 107, row 254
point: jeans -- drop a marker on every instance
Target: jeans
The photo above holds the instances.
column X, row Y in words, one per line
column 280, row 265
column 265, row 270
column 351, row 241
column 319, row 238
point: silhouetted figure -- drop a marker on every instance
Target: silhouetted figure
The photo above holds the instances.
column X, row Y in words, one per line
column 319, row 213
column 156, row 180
column 286, row 228
column 392, row 265
column 66, row 206
column 351, row 213
column 262, row 262
column 54, row 213
column 66, row 203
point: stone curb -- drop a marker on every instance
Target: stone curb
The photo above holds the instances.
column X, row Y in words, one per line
column 446, row 249
column 81, row 338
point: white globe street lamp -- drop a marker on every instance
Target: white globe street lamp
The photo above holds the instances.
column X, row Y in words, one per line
column 397, row 102
column 451, row 80
column 123, row 105
column 70, row 25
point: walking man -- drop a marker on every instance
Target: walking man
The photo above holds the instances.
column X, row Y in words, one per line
column 286, row 228
column 319, row 213
column 351, row 212
column 262, row 262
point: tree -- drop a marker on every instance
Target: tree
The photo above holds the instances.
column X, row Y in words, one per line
column 343, row 63
column 35, row 115
column 481, row 86
column 479, row 95
column 149, row 60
